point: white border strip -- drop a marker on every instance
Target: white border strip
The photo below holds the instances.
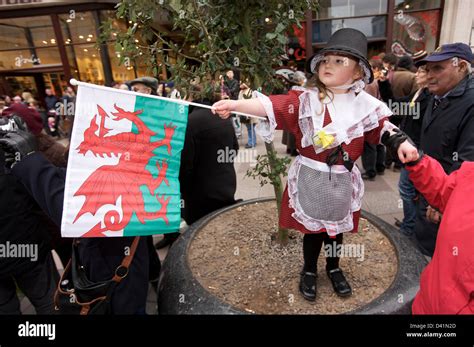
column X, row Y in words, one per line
column 75, row 82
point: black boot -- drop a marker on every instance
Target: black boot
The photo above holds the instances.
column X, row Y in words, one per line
column 339, row 282
column 167, row 240
column 308, row 285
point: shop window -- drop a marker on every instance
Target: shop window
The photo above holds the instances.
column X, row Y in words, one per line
column 372, row 27
column 78, row 29
column 414, row 32
column 412, row 5
column 89, row 63
column 17, row 33
column 27, row 42
column 350, row 8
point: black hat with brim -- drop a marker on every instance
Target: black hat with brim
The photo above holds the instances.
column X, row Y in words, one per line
column 346, row 41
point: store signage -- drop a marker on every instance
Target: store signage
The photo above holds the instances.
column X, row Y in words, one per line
column 19, row 61
column 14, row 4
column 18, row 2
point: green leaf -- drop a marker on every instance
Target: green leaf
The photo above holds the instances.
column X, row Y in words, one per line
column 270, row 36
column 279, row 28
column 282, row 39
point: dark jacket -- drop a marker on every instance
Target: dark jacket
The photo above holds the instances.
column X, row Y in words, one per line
column 21, row 222
column 207, row 176
column 411, row 123
column 447, row 134
column 50, row 101
column 99, row 256
column 233, row 86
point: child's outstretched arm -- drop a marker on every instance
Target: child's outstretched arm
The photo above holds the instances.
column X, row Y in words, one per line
column 400, row 145
column 251, row 106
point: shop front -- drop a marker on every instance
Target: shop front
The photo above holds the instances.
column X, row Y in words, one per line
column 404, row 27
column 44, row 43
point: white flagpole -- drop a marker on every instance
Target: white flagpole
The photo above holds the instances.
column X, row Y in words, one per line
column 75, row 82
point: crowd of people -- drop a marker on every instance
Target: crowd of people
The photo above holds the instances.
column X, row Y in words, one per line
column 345, row 107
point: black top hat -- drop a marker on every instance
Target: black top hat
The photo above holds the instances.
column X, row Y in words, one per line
column 347, row 41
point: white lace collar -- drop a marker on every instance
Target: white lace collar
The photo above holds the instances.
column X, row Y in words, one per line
column 347, row 111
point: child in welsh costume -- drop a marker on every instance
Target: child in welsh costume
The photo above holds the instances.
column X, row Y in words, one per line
column 330, row 120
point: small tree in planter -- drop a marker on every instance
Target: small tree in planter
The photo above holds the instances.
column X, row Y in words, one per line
column 269, row 169
column 208, row 37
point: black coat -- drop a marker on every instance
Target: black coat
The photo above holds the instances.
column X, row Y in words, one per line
column 447, row 133
column 99, row 256
column 21, row 222
column 207, row 177
column 412, row 124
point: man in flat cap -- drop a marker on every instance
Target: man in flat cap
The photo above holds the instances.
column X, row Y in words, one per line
column 145, row 85
column 447, row 132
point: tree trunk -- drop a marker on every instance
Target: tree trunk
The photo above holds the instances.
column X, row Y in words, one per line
column 282, row 237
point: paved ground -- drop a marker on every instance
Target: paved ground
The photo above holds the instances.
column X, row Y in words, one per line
column 381, row 198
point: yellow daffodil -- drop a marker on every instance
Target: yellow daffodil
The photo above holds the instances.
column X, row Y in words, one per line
column 322, row 139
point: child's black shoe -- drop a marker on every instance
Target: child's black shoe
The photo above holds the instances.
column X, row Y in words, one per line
column 308, row 285
column 339, row 282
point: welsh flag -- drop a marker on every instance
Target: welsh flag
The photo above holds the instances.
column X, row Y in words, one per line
column 124, row 158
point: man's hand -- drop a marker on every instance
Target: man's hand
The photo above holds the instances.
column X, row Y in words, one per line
column 224, row 108
column 433, row 215
column 17, row 145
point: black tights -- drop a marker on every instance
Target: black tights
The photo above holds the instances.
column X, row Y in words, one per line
column 312, row 244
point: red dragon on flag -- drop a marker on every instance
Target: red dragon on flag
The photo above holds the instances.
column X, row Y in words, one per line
column 108, row 183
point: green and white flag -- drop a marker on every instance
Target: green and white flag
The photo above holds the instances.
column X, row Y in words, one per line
column 124, row 159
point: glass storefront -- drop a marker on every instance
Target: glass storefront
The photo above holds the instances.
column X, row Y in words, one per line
column 415, row 26
column 413, row 5
column 27, row 43
column 409, row 27
column 30, row 44
column 372, row 27
column 350, row 8
column 45, row 50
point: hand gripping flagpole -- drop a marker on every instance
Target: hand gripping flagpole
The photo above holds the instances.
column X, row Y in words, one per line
column 75, row 82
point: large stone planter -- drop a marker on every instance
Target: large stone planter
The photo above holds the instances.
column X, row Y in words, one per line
column 179, row 292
